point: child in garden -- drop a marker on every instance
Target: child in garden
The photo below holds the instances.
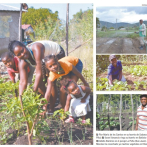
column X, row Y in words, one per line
column 115, row 70
column 67, row 67
column 11, row 62
column 77, row 102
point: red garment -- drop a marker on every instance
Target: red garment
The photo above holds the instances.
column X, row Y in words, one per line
column 12, row 72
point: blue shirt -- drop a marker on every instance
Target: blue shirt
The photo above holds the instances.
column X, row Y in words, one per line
column 114, row 71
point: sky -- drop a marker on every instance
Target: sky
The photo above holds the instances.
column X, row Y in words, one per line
column 122, row 14
column 60, row 7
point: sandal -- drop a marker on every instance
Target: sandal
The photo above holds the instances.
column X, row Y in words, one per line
column 69, row 120
column 83, row 121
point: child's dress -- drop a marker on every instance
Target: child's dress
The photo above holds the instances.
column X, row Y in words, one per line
column 77, row 108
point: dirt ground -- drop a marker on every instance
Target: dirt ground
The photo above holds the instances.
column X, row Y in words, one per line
column 118, row 46
column 77, row 132
column 125, row 122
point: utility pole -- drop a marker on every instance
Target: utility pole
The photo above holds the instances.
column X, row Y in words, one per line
column 116, row 26
column 67, row 21
column 20, row 31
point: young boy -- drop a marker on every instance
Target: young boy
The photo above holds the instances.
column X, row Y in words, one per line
column 11, row 63
column 115, row 70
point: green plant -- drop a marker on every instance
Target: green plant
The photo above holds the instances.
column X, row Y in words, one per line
column 116, row 118
column 87, row 123
column 26, row 109
column 111, row 118
column 61, row 114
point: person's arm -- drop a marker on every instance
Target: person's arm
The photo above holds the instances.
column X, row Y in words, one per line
column 38, row 51
column 67, row 103
column 23, row 76
column 79, row 75
column 86, row 90
column 120, row 75
column 50, row 84
column 16, row 94
column 137, row 119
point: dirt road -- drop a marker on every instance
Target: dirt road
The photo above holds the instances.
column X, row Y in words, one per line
column 118, row 46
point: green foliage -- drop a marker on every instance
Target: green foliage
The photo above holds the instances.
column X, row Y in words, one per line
column 87, row 123
column 137, row 70
column 140, row 84
column 112, row 118
column 97, row 115
column 11, row 107
column 35, row 16
column 102, row 84
column 82, row 25
column 61, row 114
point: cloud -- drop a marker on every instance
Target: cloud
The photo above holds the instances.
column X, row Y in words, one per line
column 122, row 14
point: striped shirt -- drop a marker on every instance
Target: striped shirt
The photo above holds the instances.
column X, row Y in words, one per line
column 142, row 114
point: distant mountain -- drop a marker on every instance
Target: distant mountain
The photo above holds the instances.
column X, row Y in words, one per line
column 118, row 24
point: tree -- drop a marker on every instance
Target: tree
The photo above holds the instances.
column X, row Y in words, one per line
column 120, row 112
column 97, row 22
column 36, row 16
column 111, row 27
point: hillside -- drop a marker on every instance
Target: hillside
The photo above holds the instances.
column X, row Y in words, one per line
column 119, row 24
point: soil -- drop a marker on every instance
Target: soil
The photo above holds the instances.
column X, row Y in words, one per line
column 125, row 122
column 78, row 131
column 118, row 46
column 50, row 139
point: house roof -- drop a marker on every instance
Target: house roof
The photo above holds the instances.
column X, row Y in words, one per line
column 25, row 26
column 9, row 8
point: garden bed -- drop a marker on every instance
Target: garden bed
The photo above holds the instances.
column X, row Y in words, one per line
column 114, row 122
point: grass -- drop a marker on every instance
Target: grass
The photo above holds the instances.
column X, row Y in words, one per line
column 118, row 33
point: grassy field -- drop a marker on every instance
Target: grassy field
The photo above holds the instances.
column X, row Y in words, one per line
column 117, row 33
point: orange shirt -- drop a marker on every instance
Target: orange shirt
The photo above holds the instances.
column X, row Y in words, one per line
column 66, row 64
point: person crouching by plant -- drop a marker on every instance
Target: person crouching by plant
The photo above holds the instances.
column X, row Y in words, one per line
column 115, row 70
column 77, row 102
column 67, row 67
column 12, row 64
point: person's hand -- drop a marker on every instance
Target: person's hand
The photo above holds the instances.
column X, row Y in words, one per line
column 83, row 100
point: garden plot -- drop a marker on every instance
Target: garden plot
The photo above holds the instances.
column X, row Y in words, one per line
column 118, row 46
column 135, row 75
column 102, row 122
column 45, row 131
column 117, row 111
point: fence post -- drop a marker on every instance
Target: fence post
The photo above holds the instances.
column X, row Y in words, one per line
column 67, row 20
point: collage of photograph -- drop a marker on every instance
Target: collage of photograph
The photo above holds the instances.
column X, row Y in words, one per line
column 121, row 70
column 71, row 70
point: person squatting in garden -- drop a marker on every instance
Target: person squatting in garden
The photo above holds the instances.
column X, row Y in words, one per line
column 33, row 55
column 77, row 102
column 141, row 120
column 115, row 70
column 12, row 64
column 67, row 67
column 142, row 33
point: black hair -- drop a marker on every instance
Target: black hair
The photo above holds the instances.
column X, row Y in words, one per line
column 143, row 95
column 45, row 71
column 65, row 83
column 47, row 58
column 14, row 44
column 6, row 54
